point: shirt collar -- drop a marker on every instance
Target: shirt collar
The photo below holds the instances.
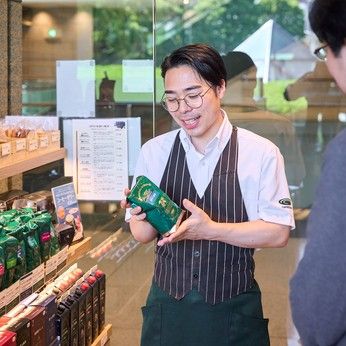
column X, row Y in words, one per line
column 220, row 140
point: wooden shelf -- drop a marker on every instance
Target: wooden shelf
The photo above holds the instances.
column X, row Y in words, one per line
column 103, row 336
column 34, row 160
column 75, row 251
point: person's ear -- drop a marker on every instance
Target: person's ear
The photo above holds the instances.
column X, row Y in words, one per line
column 220, row 89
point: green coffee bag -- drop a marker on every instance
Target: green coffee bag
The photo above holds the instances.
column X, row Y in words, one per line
column 32, row 248
column 161, row 212
column 10, row 246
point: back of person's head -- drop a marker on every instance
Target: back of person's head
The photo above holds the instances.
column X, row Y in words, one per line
column 238, row 63
column 328, row 21
column 205, row 60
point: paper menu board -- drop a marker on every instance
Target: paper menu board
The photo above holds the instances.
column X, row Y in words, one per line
column 133, row 143
column 100, row 169
column 67, row 209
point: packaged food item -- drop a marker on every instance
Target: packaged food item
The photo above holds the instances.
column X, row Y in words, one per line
column 10, row 246
column 94, row 284
column 63, row 324
column 101, row 278
column 65, row 234
column 86, row 290
column 161, row 212
column 21, row 326
column 7, row 198
column 38, row 201
column 2, row 266
column 43, row 234
column 7, row 216
column 8, row 338
column 32, row 248
column 16, row 230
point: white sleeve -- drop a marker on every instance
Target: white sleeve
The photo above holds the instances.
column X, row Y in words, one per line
column 274, row 202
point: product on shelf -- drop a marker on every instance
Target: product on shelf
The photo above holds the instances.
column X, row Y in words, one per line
column 7, row 198
column 65, row 234
column 49, row 304
column 15, row 230
column 63, row 324
column 101, row 278
column 91, row 280
column 36, row 315
column 32, row 248
column 8, row 338
column 84, row 292
column 10, row 246
column 21, row 326
column 38, row 201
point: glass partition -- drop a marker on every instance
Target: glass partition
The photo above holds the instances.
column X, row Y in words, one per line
column 275, row 88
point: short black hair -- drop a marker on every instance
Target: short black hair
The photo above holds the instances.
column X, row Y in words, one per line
column 328, row 21
column 237, row 62
column 205, row 60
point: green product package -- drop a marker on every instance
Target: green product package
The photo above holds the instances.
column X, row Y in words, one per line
column 54, row 241
column 161, row 212
column 18, row 233
column 10, row 246
column 7, row 216
column 32, row 248
column 23, row 218
column 2, row 266
column 43, row 235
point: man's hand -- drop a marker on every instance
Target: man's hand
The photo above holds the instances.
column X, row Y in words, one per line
column 124, row 203
column 195, row 227
column 137, row 211
column 141, row 229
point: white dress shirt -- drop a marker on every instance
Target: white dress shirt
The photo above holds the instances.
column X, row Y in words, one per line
column 261, row 171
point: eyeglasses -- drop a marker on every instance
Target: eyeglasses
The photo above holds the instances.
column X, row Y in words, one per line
column 192, row 100
column 321, row 52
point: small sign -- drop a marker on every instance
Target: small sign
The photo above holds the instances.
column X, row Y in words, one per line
column 138, row 76
column 67, row 209
column 75, row 88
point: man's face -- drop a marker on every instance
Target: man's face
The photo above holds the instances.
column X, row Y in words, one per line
column 200, row 123
column 337, row 66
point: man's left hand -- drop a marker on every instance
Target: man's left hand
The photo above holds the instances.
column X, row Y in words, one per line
column 193, row 228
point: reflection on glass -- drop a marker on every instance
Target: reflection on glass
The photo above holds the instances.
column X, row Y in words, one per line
column 245, row 112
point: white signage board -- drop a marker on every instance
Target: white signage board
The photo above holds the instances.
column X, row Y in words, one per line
column 100, row 169
column 138, row 76
column 75, row 88
column 133, row 144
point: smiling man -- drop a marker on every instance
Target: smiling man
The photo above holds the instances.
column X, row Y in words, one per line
column 232, row 184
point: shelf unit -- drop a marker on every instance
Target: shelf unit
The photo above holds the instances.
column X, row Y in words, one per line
column 31, row 161
column 104, row 336
column 76, row 251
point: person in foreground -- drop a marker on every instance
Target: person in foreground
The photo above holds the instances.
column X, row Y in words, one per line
column 232, row 184
column 318, row 288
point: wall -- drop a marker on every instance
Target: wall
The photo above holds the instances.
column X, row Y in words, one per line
column 10, row 69
column 74, row 40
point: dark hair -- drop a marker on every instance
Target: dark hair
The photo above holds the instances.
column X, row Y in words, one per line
column 328, row 21
column 205, row 60
column 237, row 63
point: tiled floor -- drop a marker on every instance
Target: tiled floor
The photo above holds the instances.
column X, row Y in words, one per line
column 129, row 266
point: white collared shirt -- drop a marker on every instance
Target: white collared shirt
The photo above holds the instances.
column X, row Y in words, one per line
column 261, row 170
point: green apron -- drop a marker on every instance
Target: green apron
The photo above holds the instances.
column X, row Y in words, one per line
column 191, row 321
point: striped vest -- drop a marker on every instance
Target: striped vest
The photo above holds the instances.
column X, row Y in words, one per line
column 217, row 270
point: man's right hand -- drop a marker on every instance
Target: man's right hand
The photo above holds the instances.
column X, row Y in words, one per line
column 137, row 211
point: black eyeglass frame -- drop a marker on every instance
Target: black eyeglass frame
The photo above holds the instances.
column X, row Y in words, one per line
column 318, row 52
column 163, row 103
